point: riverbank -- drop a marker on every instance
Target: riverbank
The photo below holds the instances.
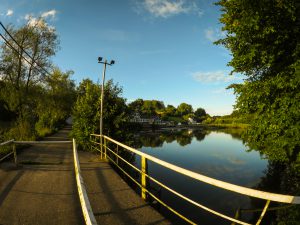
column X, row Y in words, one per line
column 229, row 125
column 195, row 126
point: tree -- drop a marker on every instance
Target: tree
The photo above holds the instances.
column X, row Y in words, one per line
column 20, row 76
column 86, row 112
column 184, row 109
column 22, row 81
column 56, row 100
column 170, row 110
column 136, row 106
column 263, row 36
column 200, row 114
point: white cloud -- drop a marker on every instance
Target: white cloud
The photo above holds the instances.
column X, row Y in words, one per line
column 52, row 13
column 9, row 12
column 40, row 21
column 213, row 76
column 213, row 34
column 168, row 8
column 32, row 21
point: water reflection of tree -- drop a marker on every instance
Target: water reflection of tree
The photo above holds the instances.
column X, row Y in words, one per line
column 184, row 140
column 200, row 134
column 156, row 139
column 152, row 141
column 234, row 132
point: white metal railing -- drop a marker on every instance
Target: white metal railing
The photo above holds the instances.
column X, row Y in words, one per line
column 83, row 197
column 84, row 200
column 14, row 143
column 218, row 183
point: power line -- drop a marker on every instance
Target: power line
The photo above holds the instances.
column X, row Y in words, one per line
column 33, row 61
column 13, row 48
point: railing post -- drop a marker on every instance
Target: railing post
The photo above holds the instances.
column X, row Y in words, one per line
column 263, row 212
column 15, row 153
column 237, row 215
column 117, row 152
column 101, row 147
column 144, row 168
column 105, row 157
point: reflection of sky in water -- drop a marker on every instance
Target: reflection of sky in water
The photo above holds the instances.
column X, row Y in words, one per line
column 218, row 155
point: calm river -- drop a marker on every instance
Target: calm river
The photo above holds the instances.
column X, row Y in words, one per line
column 217, row 154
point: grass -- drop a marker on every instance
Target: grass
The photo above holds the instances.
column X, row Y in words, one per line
column 42, row 132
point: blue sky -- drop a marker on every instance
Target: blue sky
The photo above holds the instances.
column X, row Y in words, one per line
column 163, row 48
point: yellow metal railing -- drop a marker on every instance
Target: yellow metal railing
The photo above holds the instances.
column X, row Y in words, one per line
column 218, row 183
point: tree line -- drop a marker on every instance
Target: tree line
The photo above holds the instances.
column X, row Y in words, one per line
column 181, row 113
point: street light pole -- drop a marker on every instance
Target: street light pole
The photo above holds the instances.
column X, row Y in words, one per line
column 102, row 99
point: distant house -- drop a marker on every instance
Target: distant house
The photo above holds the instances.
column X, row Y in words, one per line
column 191, row 121
column 138, row 118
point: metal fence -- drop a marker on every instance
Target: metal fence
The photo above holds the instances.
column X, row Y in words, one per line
column 83, row 197
column 105, row 149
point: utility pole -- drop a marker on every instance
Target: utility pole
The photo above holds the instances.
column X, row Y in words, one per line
column 100, row 60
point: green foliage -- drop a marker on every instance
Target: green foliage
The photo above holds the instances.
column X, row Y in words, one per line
column 34, row 102
column 175, row 119
column 19, row 76
column 263, row 36
column 86, row 112
column 55, row 101
column 114, row 110
column 184, row 109
column 146, row 107
column 200, row 114
column 22, row 130
column 170, row 110
column 276, row 126
column 181, row 114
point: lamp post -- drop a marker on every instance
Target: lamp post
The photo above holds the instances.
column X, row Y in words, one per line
column 100, row 60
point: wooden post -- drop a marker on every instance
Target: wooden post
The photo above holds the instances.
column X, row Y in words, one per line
column 15, row 153
column 144, row 168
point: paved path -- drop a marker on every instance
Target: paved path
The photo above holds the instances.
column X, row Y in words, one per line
column 112, row 200
column 42, row 190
